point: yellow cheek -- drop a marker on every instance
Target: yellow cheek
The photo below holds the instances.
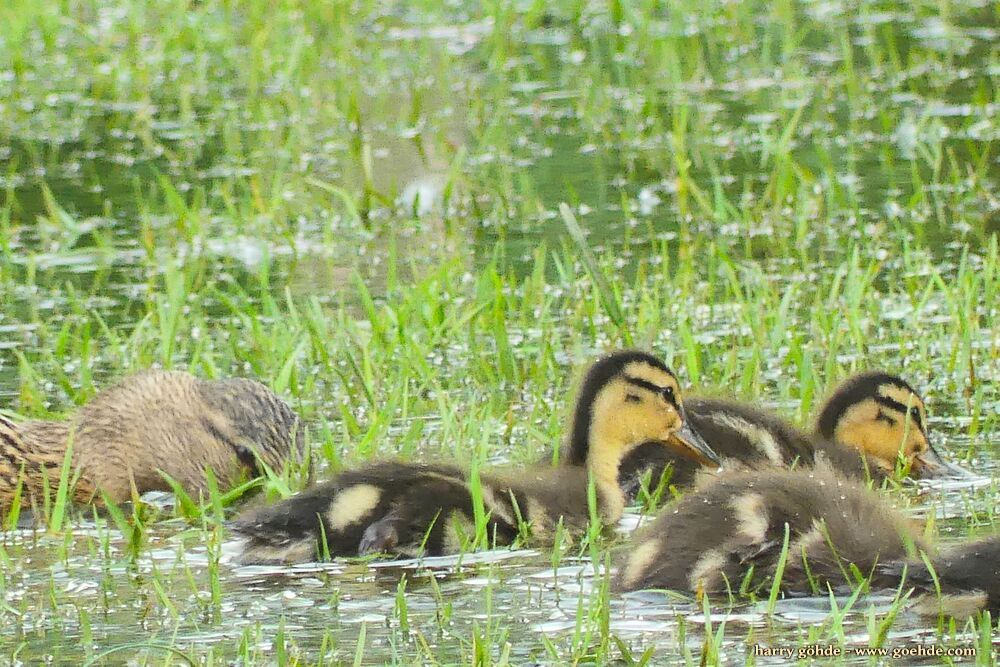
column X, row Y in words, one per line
column 876, row 439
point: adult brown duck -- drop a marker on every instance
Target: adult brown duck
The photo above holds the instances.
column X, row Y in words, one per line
column 150, row 423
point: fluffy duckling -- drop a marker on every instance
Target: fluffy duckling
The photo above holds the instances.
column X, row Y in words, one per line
column 153, row 421
column 627, row 398
column 868, row 423
column 728, row 535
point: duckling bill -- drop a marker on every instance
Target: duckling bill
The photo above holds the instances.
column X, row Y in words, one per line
column 627, row 398
column 870, row 422
column 728, row 536
column 153, row 421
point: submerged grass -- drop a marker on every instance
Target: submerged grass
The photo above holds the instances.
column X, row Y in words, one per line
column 364, row 207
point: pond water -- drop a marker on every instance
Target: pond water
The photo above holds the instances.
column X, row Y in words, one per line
column 805, row 151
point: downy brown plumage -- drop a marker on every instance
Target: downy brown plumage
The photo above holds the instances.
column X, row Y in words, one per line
column 728, row 534
column 626, row 398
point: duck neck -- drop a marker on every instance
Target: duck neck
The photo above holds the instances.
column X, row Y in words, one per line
column 603, row 462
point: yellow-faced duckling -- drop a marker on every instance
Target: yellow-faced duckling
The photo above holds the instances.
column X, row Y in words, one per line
column 728, row 535
column 869, row 423
column 626, row 398
column 153, row 421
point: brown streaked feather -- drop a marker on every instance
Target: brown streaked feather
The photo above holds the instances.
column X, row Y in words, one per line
column 152, row 421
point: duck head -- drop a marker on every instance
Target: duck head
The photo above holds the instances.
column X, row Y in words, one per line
column 628, row 398
column 883, row 416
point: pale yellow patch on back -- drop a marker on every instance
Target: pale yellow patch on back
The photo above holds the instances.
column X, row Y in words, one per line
column 960, row 606
column 296, row 551
column 539, row 518
column 639, row 561
column 495, row 508
column 751, row 517
column 761, row 438
column 704, row 574
column 802, row 548
column 458, row 529
column 351, row 505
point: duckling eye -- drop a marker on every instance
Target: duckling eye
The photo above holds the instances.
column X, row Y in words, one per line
column 883, row 417
column 633, row 398
column 668, row 393
column 915, row 415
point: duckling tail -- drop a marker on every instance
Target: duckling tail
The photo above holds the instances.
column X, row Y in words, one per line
column 967, row 576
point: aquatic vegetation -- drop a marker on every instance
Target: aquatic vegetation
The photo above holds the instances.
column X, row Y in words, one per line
column 359, row 205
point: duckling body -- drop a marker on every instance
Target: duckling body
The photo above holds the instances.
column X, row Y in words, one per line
column 152, row 421
column 414, row 509
column 712, row 535
column 627, row 398
column 869, row 421
column 728, row 535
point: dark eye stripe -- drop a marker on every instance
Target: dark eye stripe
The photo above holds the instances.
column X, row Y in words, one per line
column 899, row 407
column 881, row 416
column 666, row 392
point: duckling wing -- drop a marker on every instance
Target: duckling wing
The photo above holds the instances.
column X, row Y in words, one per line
column 545, row 496
column 748, row 434
column 438, row 516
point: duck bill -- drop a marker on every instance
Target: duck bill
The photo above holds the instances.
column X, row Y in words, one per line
column 693, row 446
column 930, row 465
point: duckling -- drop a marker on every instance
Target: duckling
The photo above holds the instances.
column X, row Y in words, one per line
column 728, row 535
column 152, row 421
column 884, row 418
column 867, row 424
column 708, row 539
column 626, row 398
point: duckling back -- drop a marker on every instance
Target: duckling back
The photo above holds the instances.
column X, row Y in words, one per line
column 744, row 437
column 331, row 518
column 711, row 537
